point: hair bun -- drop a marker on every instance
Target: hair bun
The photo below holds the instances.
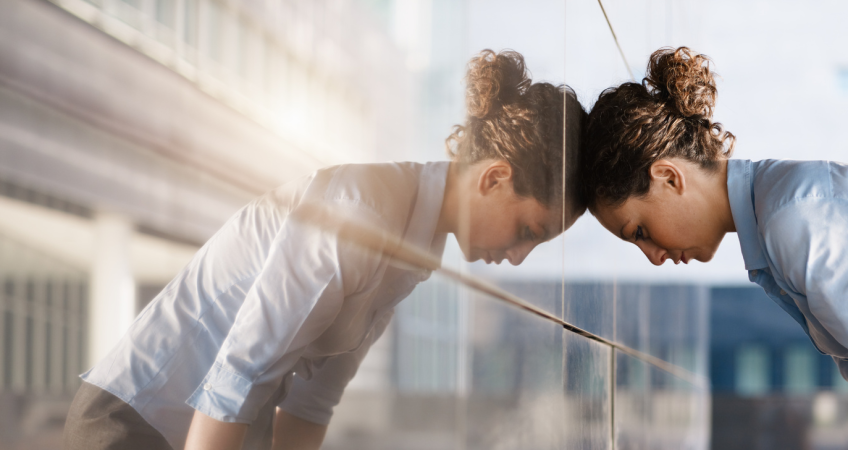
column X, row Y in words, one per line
column 684, row 80
column 495, row 80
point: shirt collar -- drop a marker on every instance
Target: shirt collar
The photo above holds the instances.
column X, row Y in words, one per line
column 421, row 231
column 740, row 192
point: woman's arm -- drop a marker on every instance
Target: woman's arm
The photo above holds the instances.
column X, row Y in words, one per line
column 297, row 294
column 807, row 242
column 206, row 433
column 294, row 433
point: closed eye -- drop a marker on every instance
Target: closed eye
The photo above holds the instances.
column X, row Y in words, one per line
column 639, row 234
column 528, row 234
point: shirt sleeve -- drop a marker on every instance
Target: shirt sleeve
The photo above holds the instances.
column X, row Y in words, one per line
column 305, row 277
column 314, row 399
column 807, row 241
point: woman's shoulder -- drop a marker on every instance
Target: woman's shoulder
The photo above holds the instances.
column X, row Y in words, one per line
column 803, row 187
column 778, row 182
column 387, row 190
column 377, row 179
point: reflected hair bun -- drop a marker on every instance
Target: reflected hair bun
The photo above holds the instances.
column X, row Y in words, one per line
column 512, row 119
column 495, row 80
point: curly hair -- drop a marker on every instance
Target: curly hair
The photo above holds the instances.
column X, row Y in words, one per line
column 668, row 115
column 513, row 119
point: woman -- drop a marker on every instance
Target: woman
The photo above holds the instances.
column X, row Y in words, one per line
column 658, row 175
column 211, row 362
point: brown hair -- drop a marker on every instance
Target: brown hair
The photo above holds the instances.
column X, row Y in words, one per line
column 668, row 115
column 513, row 119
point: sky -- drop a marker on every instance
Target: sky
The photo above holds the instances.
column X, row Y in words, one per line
column 783, row 91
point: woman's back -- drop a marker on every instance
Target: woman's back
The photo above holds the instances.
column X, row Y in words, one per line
column 293, row 294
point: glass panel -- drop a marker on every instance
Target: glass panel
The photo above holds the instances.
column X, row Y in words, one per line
column 538, row 278
column 588, row 402
column 666, row 321
column 426, row 339
column 516, row 387
column 264, row 93
column 655, row 410
column 508, row 379
column 611, row 287
column 592, row 306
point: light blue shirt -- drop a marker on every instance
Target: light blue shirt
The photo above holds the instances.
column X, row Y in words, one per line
column 792, row 221
column 269, row 296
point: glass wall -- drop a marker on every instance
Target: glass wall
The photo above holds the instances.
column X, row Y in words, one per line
column 130, row 130
column 166, row 116
column 471, row 371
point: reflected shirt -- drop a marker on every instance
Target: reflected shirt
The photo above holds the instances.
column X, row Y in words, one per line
column 792, row 221
column 268, row 297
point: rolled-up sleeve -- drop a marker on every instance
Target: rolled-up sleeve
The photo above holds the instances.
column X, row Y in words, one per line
column 314, row 399
column 294, row 298
column 807, row 241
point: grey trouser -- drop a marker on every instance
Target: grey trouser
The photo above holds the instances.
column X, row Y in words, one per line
column 100, row 421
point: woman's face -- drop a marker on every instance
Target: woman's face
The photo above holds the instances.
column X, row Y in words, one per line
column 675, row 221
column 498, row 225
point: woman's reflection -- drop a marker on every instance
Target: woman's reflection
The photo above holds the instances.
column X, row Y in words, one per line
column 256, row 339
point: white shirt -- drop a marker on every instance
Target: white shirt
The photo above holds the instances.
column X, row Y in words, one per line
column 268, row 296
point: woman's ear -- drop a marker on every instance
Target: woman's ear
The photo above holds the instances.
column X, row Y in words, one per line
column 495, row 175
column 668, row 174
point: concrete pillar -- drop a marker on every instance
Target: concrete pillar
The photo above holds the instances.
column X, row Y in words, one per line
column 112, row 301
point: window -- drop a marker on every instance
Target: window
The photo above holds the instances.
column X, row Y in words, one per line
column 166, row 13
column 799, row 370
column 753, row 376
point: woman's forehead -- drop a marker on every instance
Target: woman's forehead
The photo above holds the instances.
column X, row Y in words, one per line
column 551, row 221
column 613, row 218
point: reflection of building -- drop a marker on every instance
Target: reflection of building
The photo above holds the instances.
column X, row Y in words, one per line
column 130, row 130
column 307, row 71
column 43, row 320
column 470, row 372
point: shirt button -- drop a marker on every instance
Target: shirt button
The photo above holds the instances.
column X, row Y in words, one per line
column 754, row 273
column 207, row 387
column 782, row 292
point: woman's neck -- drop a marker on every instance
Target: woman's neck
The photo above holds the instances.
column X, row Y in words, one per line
column 448, row 216
column 722, row 199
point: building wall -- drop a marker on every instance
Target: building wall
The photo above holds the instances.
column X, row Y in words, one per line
column 772, row 388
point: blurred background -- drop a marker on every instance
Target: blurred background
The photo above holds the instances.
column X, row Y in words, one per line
column 131, row 129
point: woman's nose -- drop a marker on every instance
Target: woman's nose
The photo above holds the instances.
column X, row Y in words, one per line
column 655, row 254
column 516, row 255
